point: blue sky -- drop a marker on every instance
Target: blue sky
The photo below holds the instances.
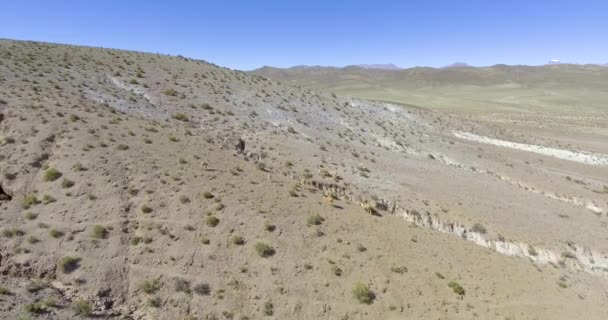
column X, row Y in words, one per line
column 249, row 34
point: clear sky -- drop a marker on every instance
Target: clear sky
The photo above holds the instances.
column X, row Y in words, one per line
column 249, row 34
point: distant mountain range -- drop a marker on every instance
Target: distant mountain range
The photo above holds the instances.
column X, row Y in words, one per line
column 456, row 65
column 388, row 66
column 391, row 66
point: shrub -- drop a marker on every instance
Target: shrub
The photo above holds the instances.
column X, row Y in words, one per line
column 56, row 233
column 238, row 240
column 46, row 199
column 182, row 285
column 154, row 302
column 99, row 232
column 264, row 250
column 212, row 221
column 35, row 308
column 268, row 308
column 82, row 307
column 122, row 147
column 68, row 264
column 36, row 285
column 362, row 293
column 314, row 219
column 336, row 271
column 31, row 216
column 479, row 228
column 183, row 199
column 79, row 167
column 202, row 289
column 180, row 117
column 457, row 288
column 399, row 270
column 66, row 183
column 208, row 195
column 149, row 287
column 5, row 291
column 170, row 92
column 33, row 239
column 568, row 255
column 269, row 227
column 29, row 201
column 146, row 209
column 52, row 174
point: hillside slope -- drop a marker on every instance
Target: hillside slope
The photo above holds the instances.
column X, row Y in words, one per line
column 145, row 186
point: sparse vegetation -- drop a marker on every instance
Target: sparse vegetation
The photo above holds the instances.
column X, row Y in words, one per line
column 68, row 264
column 212, row 221
column 314, row 219
column 51, row 174
column 479, row 228
column 456, row 287
column 181, row 117
column 99, row 232
column 238, row 240
column 29, row 201
column 363, row 294
column 264, row 250
column 202, row 289
column 82, row 307
column 149, row 286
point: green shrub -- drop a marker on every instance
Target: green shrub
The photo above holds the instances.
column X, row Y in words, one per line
column 46, row 199
column 238, row 240
column 170, row 92
column 146, row 209
column 52, row 174
column 56, row 233
column 457, row 288
column 314, row 219
column 264, row 250
column 122, row 147
column 82, row 308
column 35, row 308
column 208, row 195
column 29, row 201
column 68, row 264
column 99, row 232
column 79, row 167
column 31, row 216
column 180, row 117
column 362, row 293
column 212, row 221
column 149, row 287
column 5, row 291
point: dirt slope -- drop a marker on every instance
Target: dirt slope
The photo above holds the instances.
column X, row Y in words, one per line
column 124, row 195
